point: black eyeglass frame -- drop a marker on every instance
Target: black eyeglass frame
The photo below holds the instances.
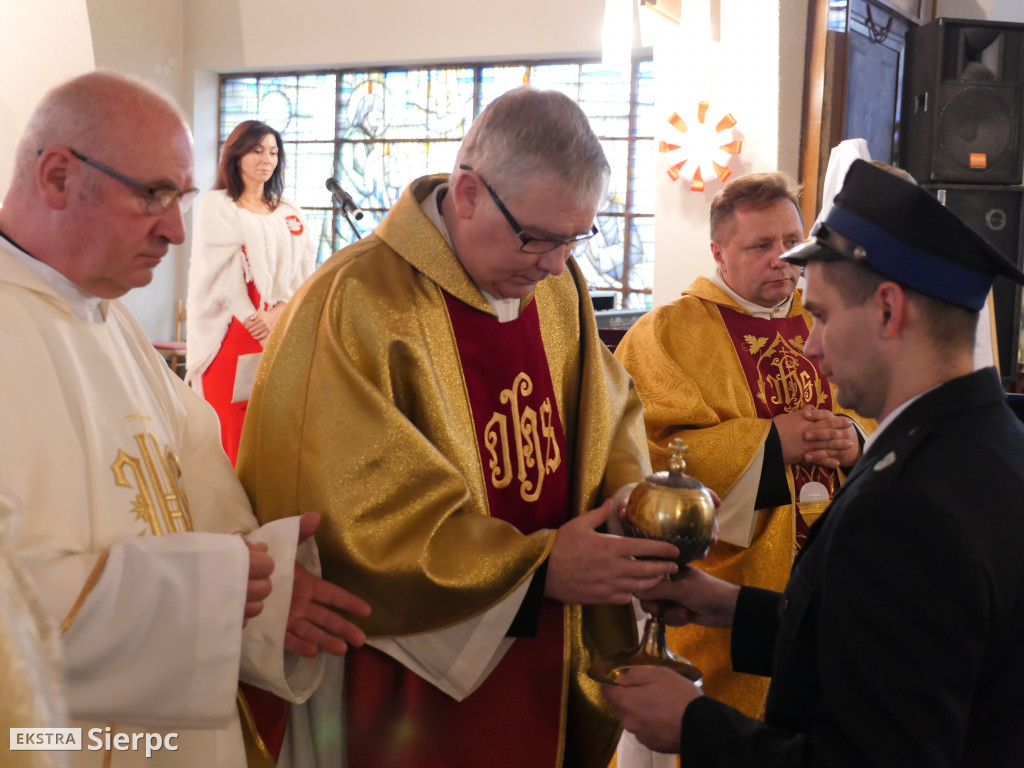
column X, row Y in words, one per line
column 157, row 199
column 548, row 244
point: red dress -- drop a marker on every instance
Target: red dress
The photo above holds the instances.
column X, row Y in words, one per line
column 219, row 379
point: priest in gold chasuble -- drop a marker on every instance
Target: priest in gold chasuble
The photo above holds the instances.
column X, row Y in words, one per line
column 438, row 391
column 723, row 368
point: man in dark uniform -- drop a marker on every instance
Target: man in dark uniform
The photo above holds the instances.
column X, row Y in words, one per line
column 899, row 639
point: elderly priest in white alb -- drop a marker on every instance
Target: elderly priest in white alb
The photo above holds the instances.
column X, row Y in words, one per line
column 130, row 505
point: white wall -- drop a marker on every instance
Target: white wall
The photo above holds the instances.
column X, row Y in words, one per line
column 41, row 44
column 992, row 10
column 1006, row 10
column 241, row 34
column 755, row 73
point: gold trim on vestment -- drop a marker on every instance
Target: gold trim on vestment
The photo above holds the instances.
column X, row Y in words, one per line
column 108, row 754
column 256, row 753
column 86, row 589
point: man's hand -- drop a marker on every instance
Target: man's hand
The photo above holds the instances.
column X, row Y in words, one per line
column 261, row 565
column 815, row 436
column 586, row 566
column 693, row 598
column 651, row 702
column 314, row 624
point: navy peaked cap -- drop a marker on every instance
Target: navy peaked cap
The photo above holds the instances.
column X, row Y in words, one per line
column 901, row 231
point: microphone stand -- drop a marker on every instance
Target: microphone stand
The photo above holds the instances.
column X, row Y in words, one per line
column 348, row 218
column 344, row 201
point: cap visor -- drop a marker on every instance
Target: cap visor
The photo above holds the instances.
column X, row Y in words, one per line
column 812, row 250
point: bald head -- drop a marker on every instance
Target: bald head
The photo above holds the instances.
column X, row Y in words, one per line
column 100, row 175
column 92, row 113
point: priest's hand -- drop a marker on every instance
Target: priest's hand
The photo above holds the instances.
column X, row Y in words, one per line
column 586, row 566
column 826, row 435
column 314, row 623
column 621, row 499
column 261, row 565
column 651, row 702
column 816, row 436
column 693, row 598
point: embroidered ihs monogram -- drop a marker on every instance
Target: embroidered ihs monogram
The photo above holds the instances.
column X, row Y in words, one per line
column 534, row 442
column 781, row 379
column 153, row 474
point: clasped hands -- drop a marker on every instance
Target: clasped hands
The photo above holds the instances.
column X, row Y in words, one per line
column 816, row 436
column 261, row 322
column 314, row 623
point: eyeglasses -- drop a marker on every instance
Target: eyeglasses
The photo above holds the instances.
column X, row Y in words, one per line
column 533, row 244
column 157, row 199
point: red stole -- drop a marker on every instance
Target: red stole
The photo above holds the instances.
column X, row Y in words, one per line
column 782, row 380
column 518, row 428
column 516, row 717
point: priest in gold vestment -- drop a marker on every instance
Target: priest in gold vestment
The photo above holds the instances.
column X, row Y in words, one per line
column 439, row 393
column 723, row 368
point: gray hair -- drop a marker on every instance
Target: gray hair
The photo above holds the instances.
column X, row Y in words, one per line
column 527, row 134
column 77, row 113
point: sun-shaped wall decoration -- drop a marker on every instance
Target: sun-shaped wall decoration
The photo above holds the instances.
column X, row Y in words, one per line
column 705, row 149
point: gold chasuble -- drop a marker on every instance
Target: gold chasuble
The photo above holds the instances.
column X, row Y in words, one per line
column 431, row 447
column 714, row 375
column 393, row 715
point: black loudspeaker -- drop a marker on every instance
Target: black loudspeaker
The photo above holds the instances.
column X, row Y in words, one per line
column 963, row 95
column 996, row 214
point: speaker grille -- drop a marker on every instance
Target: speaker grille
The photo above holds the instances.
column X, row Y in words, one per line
column 978, row 120
column 997, row 214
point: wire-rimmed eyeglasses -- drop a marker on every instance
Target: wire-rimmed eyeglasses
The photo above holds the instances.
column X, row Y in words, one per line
column 157, row 199
column 533, row 244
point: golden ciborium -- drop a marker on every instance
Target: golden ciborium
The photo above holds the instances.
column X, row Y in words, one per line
column 674, row 507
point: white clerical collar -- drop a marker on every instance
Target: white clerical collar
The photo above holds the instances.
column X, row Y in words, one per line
column 768, row 313
column 84, row 306
column 431, row 207
column 505, row 309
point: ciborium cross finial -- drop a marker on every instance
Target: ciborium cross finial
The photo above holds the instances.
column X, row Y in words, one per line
column 676, row 465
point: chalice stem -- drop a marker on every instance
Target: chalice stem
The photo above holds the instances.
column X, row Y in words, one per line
column 652, row 651
column 653, row 644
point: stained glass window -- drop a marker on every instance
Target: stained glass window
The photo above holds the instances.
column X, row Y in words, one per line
column 377, row 130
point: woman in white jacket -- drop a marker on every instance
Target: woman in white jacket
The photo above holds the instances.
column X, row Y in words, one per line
column 251, row 250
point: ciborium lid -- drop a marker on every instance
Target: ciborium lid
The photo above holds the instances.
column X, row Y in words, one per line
column 675, row 476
